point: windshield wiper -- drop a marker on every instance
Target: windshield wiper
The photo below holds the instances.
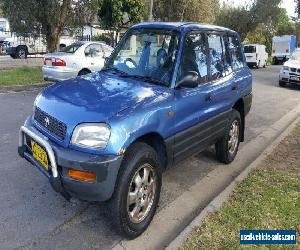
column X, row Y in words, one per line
column 115, row 70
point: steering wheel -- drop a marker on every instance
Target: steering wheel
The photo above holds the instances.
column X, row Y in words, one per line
column 130, row 60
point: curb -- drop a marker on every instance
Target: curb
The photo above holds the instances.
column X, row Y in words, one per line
column 217, row 202
column 19, row 88
column 173, row 221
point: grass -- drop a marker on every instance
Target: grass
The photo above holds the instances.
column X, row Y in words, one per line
column 23, row 75
column 269, row 198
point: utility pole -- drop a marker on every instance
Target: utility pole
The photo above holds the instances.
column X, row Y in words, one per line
column 151, row 11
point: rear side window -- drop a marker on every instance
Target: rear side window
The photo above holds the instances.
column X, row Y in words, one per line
column 216, row 56
column 235, row 48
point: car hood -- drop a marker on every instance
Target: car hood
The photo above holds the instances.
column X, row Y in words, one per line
column 292, row 63
column 96, row 97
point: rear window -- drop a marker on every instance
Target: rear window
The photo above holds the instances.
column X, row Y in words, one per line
column 249, row 49
column 72, row 48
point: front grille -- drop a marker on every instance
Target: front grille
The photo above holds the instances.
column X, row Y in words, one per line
column 293, row 69
column 51, row 124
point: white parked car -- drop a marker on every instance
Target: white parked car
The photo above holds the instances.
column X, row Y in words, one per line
column 290, row 72
column 256, row 55
column 79, row 58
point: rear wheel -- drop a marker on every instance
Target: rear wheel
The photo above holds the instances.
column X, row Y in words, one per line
column 227, row 147
column 21, row 52
column 137, row 191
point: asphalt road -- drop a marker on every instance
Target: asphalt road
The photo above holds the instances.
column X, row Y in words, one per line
column 33, row 216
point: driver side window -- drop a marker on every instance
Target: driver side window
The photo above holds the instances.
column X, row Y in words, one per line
column 194, row 57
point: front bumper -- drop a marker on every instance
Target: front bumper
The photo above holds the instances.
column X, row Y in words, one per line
column 51, row 73
column 105, row 167
column 289, row 77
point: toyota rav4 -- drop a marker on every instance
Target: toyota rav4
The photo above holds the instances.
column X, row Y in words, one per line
column 168, row 91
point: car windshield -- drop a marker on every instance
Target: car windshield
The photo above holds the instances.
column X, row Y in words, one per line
column 72, row 48
column 249, row 49
column 296, row 55
column 145, row 54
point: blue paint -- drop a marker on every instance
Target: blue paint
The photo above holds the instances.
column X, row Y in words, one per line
column 133, row 107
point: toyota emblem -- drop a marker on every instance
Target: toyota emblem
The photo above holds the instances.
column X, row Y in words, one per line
column 47, row 122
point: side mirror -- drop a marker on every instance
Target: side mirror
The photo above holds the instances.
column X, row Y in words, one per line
column 190, row 80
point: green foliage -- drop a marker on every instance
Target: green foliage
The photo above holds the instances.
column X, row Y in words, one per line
column 186, row 10
column 247, row 18
column 23, row 75
column 103, row 38
column 117, row 14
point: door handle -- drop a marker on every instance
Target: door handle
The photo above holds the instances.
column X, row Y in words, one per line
column 234, row 88
column 208, row 98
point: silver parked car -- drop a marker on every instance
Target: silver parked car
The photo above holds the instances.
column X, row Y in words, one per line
column 79, row 58
column 290, row 71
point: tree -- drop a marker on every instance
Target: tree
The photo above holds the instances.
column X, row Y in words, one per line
column 186, row 10
column 115, row 15
column 43, row 17
column 247, row 18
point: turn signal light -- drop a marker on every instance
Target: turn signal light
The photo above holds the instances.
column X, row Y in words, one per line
column 81, row 175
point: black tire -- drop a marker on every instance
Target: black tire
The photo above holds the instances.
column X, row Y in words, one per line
column 83, row 72
column 21, row 52
column 222, row 146
column 282, row 84
column 137, row 156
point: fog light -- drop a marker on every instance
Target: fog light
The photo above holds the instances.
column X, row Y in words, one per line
column 81, row 175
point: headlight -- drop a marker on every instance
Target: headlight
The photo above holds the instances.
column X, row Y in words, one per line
column 286, row 68
column 91, row 135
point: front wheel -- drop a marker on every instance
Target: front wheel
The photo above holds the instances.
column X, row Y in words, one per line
column 282, row 84
column 227, row 147
column 137, row 191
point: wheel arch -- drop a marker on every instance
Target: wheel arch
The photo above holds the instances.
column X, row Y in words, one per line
column 84, row 69
column 156, row 141
column 240, row 107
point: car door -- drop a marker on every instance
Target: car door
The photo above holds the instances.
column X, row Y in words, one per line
column 242, row 74
column 202, row 112
column 94, row 57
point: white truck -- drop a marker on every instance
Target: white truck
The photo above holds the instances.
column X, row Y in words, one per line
column 282, row 48
column 22, row 46
column 256, row 55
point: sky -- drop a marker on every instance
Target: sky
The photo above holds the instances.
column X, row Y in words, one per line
column 289, row 5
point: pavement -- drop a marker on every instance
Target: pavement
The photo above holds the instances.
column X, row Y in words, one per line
column 33, row 216
column 6, row 62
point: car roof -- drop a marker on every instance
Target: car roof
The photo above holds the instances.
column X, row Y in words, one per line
column 180, row 26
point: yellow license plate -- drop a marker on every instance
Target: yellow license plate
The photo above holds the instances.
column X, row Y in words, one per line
column 39, row 154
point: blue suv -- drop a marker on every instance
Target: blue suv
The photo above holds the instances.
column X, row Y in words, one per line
column 168, row 90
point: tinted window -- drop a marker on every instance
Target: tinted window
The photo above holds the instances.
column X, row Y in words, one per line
column 194, row 56
column 249, row 49
column 235, row 48
column 216, row 54
column 72, row 48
